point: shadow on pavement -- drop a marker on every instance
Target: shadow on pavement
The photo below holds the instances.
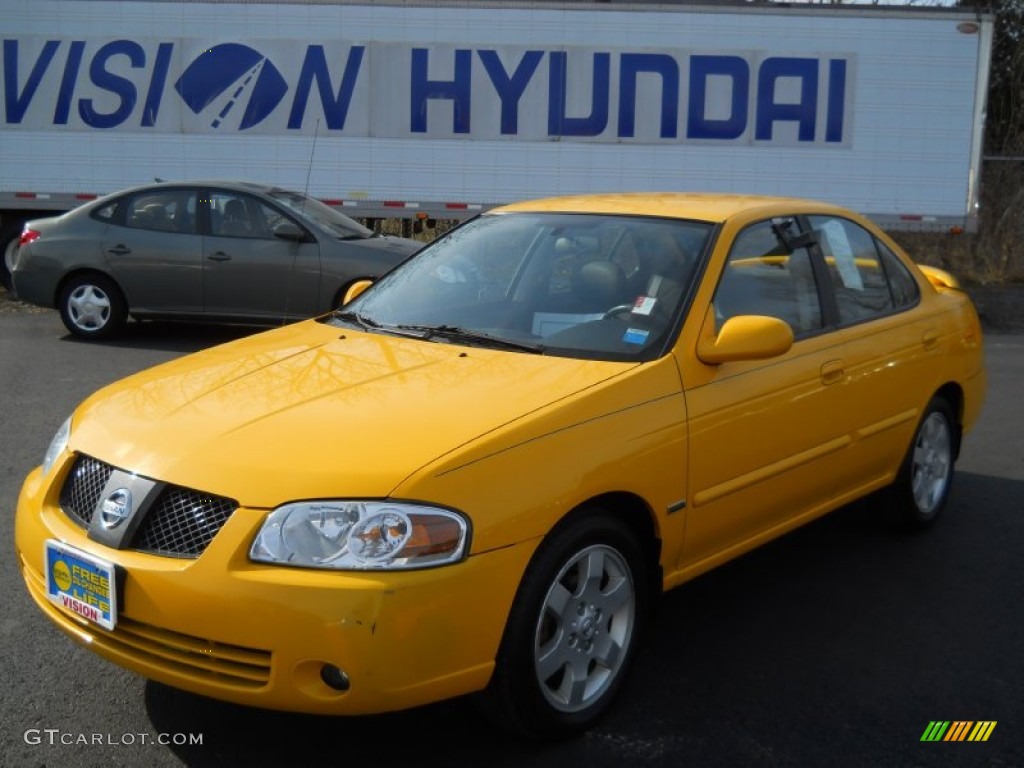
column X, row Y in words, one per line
column 173, row 336
column 788, row 655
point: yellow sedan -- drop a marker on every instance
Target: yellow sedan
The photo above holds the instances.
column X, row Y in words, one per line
column 479, row 474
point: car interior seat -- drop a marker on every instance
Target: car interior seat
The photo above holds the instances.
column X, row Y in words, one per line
column 236, row 221
column 666, row 269
column 597, row 286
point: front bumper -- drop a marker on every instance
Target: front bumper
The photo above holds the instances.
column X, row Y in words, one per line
column 222, row 626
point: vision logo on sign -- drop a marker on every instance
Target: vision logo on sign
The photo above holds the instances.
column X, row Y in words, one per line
column 225, row 75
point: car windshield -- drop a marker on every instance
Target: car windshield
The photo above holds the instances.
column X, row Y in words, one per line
column 321, row 214
column 578, row 285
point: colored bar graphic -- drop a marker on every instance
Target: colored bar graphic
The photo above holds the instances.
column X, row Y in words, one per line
column 982, row 730
column 958, row 730
column 935, row 731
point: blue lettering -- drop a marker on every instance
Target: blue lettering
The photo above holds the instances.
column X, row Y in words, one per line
column 803, row 112
column 423, row 89
column 108, row 81
column 67, row 83
column 156, row 84
column 335, row 106
column 510, row 89
column 836, row 100
column 594, row 123
column 657, row 63
column 17, row 103
column 698, row 124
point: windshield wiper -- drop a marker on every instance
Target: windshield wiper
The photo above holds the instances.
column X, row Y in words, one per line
column 366, row 323
column 369, row 324
column 456, row 333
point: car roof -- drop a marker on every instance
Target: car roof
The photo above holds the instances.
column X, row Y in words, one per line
column 702, row 206
column 229, row 184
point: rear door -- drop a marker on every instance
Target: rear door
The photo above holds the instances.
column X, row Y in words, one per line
column 247, row 271
column 155, row 252
column 890, row 345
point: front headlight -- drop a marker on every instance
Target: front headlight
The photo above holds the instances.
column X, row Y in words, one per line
column 57, row 445
column 360, row 535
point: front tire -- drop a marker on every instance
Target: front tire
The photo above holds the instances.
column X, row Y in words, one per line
column 92, row 307
column 923, row 484
column 572, row 630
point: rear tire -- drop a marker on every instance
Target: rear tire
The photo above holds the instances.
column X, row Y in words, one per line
column 922, row 487
column 573, row 629
column 92, row 307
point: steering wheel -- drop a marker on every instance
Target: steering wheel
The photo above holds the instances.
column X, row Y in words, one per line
column 617, row 310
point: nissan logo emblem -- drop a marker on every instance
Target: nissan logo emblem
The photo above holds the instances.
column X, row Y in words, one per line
column 116, row 508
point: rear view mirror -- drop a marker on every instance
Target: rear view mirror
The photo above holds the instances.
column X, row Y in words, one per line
column 746, row 337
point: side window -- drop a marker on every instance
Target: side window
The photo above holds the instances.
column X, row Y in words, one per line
column 106, row 212
column 857, row 275
column 762, row 278
column 233, row 214
column 902, row 284
column 171, row 210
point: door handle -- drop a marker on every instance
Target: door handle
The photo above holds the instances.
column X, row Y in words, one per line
column 930, row 338
column 832, row 372
column 219, row 256
column 119, row 250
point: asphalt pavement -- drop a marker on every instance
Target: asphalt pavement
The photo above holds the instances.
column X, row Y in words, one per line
column 836, row 645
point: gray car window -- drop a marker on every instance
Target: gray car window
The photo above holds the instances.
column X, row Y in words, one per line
column 170, row 210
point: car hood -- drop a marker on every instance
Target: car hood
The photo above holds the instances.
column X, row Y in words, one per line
column 386, row 244
column 315, row 411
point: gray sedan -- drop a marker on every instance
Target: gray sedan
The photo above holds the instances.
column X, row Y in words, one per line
column 217, row 251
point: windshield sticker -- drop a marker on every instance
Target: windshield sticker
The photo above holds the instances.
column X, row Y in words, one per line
column 635, row 336
column 644, row 305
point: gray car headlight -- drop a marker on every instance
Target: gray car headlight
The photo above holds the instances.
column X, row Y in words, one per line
column 360, row 535
column 57, row 445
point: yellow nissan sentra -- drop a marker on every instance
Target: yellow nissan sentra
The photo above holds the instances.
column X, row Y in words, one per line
column 479, row 473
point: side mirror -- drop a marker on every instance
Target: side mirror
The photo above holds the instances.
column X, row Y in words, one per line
column 288, row 230
column 746, row 337
column 354, row 290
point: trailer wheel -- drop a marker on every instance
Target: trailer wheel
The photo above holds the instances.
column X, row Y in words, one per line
column 92, row 307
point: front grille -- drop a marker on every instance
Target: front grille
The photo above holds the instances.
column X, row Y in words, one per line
column 83, row 487
column 181, row 522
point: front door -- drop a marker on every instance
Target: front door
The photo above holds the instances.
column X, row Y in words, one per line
column 767, row 437
column 250, row 273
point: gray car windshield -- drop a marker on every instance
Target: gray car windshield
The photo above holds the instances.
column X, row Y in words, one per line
column 579, row 285
column 323, row 215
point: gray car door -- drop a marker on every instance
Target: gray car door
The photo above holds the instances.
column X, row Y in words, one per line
column 250, row 273
column 156, row 253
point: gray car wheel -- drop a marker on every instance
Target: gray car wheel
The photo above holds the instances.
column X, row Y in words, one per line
column 92, row 307
column 572, row 630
